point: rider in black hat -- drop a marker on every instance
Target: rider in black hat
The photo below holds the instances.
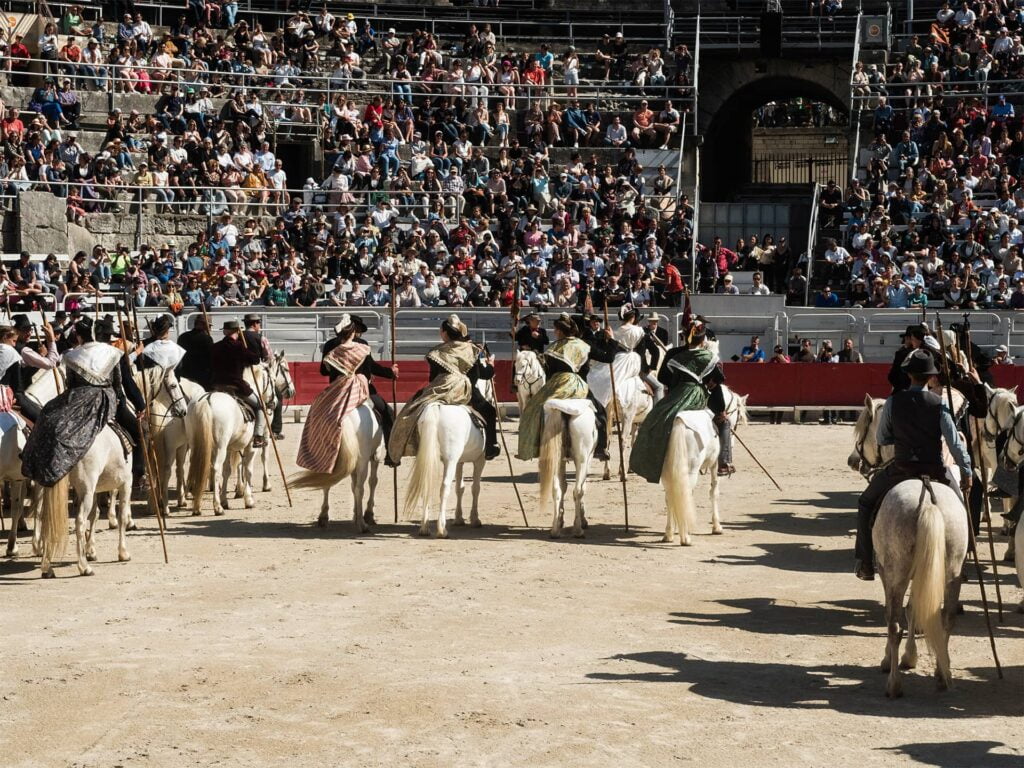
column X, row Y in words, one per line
column 33, row 358
column 531, row 335
column 125, row 390
column 915, row 421
column 912, row 339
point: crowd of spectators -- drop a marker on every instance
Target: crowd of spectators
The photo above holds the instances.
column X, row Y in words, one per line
column 937, row 217
column 415, row 195
column 411, row 196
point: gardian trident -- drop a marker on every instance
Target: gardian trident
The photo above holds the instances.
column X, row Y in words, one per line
column 618, row 421
column 514, row 310
column 972, row 543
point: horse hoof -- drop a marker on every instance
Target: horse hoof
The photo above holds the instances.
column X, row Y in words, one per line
column 555, row 534
column 584, row 522
column 111, row 524
column 717, row 530
column 321, row 521
column 49, row 574
column 578, row 534
column 666, row 539
column 124, row 557
column 239, row 494
column 218, row 512
column 893, row 692
column 91, row 557
column 196, row 514
column 87, row 571
column 369, row 519
column 476, row 523
column 266, row 487
column 442, row 534
column 906, row 664
column 460, row 522
column 685, row 541
column 1008, row 557
column 11, row 553
column 132, row 526
column 423, row 532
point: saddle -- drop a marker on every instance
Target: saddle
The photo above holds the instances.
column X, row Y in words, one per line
column 248, row 415
column 127, row 444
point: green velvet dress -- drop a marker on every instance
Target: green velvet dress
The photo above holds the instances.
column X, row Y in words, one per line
column 685, row 393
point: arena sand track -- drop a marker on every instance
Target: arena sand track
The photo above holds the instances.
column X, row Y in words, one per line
column 270, row 642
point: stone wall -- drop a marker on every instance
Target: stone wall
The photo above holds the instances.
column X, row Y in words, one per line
column 42, row 223
column 802, row 141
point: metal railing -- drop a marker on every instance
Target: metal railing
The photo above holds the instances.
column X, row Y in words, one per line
column 856, row 55
column 695, row 230
column 696, row 76
column 798, row 168
column 803, row 33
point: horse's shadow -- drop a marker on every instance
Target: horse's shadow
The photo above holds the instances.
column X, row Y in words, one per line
column 843, row 688
column 793, row 556
column 770, row 616
column 957, row 754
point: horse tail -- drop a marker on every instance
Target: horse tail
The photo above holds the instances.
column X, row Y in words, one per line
column 675, row 476
column 928, row 571
column 426, row 470
column 349, row 456
column 551, row 453
column 200, row 419
column 53, row 519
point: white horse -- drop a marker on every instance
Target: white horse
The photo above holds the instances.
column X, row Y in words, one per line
column 284, row 389
column 169, row 398
column 693, row 449
column 627, row 418
column 920, row 538
column 104, row 468
column 527, row 376
column 359, row 455
column 568, row 431
column 220, row 437
column 438, row 465
column 1011, row 457
column 12, row 442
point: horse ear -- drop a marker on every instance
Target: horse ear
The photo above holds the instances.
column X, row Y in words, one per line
column 1013, row 389
column 743, row 399
column 868, row 403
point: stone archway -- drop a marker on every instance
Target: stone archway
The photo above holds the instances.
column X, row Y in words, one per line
column 734, row 90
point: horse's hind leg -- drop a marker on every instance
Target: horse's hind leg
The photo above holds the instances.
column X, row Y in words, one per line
column 909, row 660
column 265, row 469
column 578, row 491
column 474, row 512
column 124, row 512
column 358, row 489
column 371, row 494
column 716, row 522
column 85, row 504
column 943, row 672
column 90, row 531
column 460, row 485
column 179, row 473
column 325, row 509
column 447, row 481
column 247, row 458
column 893, row 606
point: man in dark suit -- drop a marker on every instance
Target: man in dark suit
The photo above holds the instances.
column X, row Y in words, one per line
column 230, row 357
column 198, row 346
column 651, row 350
column 255, row 339
column 531, row 335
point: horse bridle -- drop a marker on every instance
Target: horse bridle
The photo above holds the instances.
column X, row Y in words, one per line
column 858, row 446
column 527, row 382
column 991, row 414
column 1019, row 450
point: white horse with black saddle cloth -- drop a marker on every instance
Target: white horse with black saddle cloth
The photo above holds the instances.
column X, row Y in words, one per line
column 220, row 434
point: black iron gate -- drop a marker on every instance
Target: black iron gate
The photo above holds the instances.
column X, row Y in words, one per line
column 800, row 169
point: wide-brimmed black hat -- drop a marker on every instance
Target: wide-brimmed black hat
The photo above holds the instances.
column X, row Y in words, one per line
column 104, row 326
column 920, row 362
column 359, row 324
column 232, row 325
column 21, row 322
column 252, row 318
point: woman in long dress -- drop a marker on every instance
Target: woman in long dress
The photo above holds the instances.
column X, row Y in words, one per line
column 565, row 362
column 683, row 374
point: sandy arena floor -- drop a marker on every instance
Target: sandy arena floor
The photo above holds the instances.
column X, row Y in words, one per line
column 268, row 641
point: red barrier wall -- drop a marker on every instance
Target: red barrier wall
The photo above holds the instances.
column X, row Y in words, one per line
column 806, row 384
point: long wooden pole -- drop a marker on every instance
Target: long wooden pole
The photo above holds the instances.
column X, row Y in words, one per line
column 967, row 511
column 618, row 425
column 266, row 421
column 147, row 458
column 979, row 440
column 394, row 388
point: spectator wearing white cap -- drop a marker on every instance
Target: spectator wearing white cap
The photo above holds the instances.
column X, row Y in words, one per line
column 1002, row 356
